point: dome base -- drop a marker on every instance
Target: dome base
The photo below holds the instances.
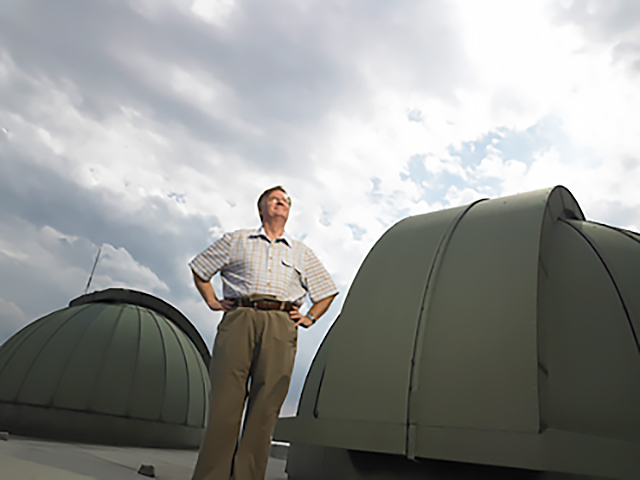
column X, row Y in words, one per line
column 86, row 427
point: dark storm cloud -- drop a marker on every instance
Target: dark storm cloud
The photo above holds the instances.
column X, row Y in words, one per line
column 286, row 65
column 33, row 197
column 80, row 42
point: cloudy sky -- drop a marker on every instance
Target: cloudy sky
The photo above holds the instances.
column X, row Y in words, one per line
column 149, row 127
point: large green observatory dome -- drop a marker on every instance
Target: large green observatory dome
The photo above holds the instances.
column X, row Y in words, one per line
column 502, row 334
column 117, row 366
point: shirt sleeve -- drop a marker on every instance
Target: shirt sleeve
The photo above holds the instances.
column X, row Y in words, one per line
column 318, row 281
column 209, row 262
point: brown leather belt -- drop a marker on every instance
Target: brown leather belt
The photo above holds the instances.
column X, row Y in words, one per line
column 264, row 304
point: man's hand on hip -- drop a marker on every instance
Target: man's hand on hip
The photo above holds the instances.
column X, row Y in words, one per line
column 221, row 305
column 299, row 318
column 206, row 290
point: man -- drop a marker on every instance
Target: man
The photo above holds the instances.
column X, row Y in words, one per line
column 265, row 276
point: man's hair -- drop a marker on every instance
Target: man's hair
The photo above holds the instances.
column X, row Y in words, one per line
column 266, row 194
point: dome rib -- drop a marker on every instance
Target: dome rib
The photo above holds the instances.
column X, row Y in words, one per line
column 70, row 357
column 134, row 297
column 626, row 234
column 622, row 231
column 43, row 346
column 188, row 376
column 135, row 366
column 148, row 388
column 203, row 376
column 13, row 344
column 316, row 413
column 96, row 383
column 612, row 278
column 413, row 397
column 165, row 367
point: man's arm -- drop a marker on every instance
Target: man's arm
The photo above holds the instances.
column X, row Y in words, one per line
column 209, row 296
column 317, row 310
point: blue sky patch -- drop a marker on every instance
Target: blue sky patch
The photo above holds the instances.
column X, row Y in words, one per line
column 357, row 231
column 434, row 186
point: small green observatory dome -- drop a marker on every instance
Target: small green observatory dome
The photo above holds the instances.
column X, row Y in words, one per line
column 502, row 334
column 117, row 367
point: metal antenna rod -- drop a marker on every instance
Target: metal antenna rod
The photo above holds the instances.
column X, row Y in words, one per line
column 95, row 264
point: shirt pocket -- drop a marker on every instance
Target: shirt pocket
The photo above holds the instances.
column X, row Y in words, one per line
column 290, row 267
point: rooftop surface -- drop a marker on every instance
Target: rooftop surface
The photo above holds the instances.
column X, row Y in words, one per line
column 36, row 459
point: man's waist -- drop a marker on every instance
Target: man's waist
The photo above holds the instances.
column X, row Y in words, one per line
column 273, row 289
column 263, row 303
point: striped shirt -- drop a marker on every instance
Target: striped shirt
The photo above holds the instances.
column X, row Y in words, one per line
column 249, row 263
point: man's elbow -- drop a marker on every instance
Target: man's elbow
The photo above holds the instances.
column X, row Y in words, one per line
column 197, row 278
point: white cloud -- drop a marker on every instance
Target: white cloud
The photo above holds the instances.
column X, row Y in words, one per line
column 117, row 268
column 42, row 264
column 215, row 12
column 12, row 318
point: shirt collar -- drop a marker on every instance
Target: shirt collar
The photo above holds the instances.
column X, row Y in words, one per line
column 259, row 232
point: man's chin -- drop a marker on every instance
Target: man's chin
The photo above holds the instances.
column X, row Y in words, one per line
column 277, row 216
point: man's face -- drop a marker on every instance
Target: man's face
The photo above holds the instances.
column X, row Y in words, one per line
column 276, row 205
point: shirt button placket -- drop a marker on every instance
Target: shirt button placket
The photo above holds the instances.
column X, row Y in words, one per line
column 269, row 264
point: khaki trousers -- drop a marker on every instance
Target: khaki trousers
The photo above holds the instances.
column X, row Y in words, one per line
column 250, row 344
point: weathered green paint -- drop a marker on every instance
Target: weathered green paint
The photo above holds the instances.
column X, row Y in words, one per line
column 107, row 372
column 502, row 333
